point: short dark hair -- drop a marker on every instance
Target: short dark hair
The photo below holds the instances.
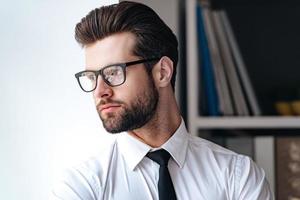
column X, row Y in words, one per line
column 153, row 37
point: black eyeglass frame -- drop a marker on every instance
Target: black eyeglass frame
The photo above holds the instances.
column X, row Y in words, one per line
column 100, row 72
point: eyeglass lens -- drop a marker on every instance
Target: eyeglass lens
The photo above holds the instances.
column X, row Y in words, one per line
column 112, row 75
column 87, row 81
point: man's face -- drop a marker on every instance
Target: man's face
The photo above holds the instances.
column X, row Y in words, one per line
column 132, row 104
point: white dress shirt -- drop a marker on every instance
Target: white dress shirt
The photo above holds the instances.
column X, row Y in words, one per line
column 199, row 170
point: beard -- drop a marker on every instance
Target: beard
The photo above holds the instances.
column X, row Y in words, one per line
column 134, row 115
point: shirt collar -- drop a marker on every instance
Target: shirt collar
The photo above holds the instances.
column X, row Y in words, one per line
column 134, row 150
column 177, row 144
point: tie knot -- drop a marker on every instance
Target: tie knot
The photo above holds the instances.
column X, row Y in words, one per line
column 160, row 156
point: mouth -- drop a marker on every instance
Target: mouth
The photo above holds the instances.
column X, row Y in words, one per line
column 109, row 108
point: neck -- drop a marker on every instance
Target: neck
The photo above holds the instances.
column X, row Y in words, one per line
column 162, row 126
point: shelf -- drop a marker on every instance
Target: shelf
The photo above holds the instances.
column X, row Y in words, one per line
column 247, row 122
column 222, row 3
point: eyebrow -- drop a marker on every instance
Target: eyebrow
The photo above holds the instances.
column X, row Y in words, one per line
column 128, row 63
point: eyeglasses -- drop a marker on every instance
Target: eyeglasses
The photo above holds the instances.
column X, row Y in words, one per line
column 113, row 75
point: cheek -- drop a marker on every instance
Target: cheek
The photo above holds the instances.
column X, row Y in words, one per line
column 130, row 91
column 96, row 99
column 127, row 93
column 137, row 80
column 136, row 89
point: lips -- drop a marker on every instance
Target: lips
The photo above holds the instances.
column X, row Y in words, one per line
column 108, row 107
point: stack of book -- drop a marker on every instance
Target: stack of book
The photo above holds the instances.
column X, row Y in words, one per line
column 225, row 88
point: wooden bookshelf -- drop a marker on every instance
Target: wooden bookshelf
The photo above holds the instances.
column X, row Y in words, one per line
column 264, row 76
column 195, row 121
column 248, row 122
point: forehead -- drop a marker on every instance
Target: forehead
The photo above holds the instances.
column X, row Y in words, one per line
column 112, row 49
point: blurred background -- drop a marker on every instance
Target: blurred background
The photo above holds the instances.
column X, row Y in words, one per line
column 47, row 123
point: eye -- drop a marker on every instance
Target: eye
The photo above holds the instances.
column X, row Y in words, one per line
column 89, row 75
column 114, row 75
column 112, row 71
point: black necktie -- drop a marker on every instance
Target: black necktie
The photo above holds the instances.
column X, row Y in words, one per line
column 165, row 186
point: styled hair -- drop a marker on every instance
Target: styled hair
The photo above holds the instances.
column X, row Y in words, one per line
column 153, row 37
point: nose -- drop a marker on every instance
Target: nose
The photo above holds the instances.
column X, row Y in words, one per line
column 102, row 90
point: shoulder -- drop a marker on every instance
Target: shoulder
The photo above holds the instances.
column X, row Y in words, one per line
column 204, row 146
column 99, row 162
column 244, row 178
column 251, row 181
column 86, row 179
column 224, row 159
column 210, row 156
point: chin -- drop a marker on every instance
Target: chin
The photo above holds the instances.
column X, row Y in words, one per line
column 111, row 124
column 112, row 129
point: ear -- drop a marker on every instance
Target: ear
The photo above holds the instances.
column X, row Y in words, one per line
column 162, row 72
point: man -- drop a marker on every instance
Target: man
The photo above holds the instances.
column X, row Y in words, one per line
column 131, row 57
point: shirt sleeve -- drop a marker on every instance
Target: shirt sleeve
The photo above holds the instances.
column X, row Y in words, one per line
column 75, row 184
column 251, row 182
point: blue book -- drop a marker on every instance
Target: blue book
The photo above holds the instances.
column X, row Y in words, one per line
column 206, row 67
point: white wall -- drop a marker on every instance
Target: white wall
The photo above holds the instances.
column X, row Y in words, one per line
column 46, row 122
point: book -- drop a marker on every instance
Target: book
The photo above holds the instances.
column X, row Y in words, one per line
column 207, row 75
column 288, row 167
column 230, row 68
column 225, row 102
column 241, row 67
